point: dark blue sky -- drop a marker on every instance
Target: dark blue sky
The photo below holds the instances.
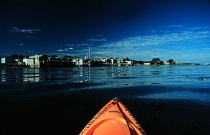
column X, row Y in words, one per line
column 138, row 29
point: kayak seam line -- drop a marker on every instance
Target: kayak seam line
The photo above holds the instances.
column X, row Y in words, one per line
column 124, row 117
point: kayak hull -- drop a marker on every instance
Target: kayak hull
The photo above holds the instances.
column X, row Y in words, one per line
column 113, row 118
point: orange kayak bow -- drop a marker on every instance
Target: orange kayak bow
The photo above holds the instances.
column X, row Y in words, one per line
column 113, row 119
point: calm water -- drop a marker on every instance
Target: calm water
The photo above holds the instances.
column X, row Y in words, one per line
column 166, row 100
column 193, row 81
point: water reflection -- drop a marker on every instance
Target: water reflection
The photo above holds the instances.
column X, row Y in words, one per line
column 31, row 75
column 12, row 76
column 49, row 81
column 179, row 95
column 110, row 76
column 3, row 75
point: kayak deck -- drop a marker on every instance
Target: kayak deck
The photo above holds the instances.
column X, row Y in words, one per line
column 113, row 119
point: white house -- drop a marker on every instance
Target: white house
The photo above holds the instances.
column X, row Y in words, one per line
column 33, row 61
column 78, row 61
column 29, row 62
column 147, row 63
column 166, row 63
column 129, row 62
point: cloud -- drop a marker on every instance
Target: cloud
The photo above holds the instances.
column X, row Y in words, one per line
column 15, row 29
column 67, row 45
column 182, row 45
column 65, row 49
column 97, row 40
column 175, row 26
column 168, row 44
column 60, row 50
column 111, row 53
column 168, row 38
column 82, row 44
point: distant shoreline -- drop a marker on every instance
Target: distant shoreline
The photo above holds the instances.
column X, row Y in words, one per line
column 26, row 66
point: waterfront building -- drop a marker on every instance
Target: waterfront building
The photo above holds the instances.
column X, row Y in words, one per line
column 8, row 62
column 33, row 61
column 147, row 63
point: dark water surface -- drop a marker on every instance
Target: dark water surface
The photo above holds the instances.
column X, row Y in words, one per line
column 166, row 100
